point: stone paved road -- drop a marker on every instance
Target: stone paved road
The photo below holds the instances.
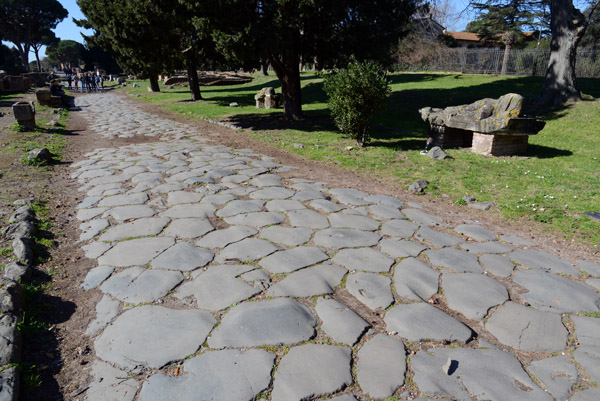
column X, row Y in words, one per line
column 223, row 281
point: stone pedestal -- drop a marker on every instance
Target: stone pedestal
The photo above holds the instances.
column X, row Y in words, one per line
column 447, row 137
column 24, row 113
column 45, row 98
column 499, row 145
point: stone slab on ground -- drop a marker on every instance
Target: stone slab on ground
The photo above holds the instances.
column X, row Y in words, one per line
column 274, row 322
column 587, row 330
column 437, row 238
column 399, row 228
column 339, row 238
column 139, row 228
column 476, row 232
column 421, row 321
column 293, row 259
column 106, row 310
column 341, row 220
column 182, row 256
column 135, row 252
column 494, row 247
column 415, row 280
column 589, row 267
column 226, row 236
column 527, row 329
column 109, row 384
column 246, row 250
column 317, row 280
column 340, row 322
column 398, row 248
column 188, row 228
column 256, row 219
column 137, row 284
column 371, row 289
column 381, row 366
column 454, row 259
column 587, row 356
column 422, row 218
column 145, row 336
column 122, row 213
column 557, row 373
column 310, row 371
column 363, row 259
column 544, row 261
column 289, row 236
column 227, row 375
column 591, row 394
column 307, row 219
column 498, row 265
column 96, row 276
column 472, row 294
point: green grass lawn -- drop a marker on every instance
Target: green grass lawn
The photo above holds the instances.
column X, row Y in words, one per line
column 554, row 183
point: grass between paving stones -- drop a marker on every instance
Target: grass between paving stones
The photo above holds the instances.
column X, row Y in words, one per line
column 554, row 184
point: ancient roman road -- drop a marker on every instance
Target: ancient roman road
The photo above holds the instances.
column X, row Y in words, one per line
column 223, row 281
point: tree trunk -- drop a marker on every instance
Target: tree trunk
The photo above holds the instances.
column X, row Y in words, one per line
column 264, row 69
column 506, row 59
column 567, row 25
column 286, row 68
column 192, row 74
column 24, row 54
column 154, row 83
column 36, row 51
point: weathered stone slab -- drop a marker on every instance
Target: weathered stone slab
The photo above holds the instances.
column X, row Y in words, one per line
column 122, row 213
column 227, row 375
column 498, row 265
column 340, row 220
column 472, row 294
column 527, row 329
column 188, row 228
column 293, row 259
column 279, row 321
column 109, row 383
column 287, row 235
column 272, row 193
column 267, row 180
column 326, row 206
column 137, row 284
column 485, row 374
column 122, row 200
column 558, row 374
column 309, row 195
column 222, row 238
column 399, row 228
column 136, row 252
column 146, row 336
column 247, row 250
column 178, row 197
column 552, row 293
column 398, row 248
column 219, row 199
column 587, row 330
column 589, row 267
column 381, row 366
column 478, row 233
column 92, row 228
column 514, row 240
column 284, row 205
column 87, row 214
column 421, row 321
column 385, row 200
column 493, row 247
column 106, row 310
column 317, row 280
column 138, row 228
column 240, row 206
column 340, row 323
column 190, row 210
column 256, row 219
column 310, row 371
column 415, row 280
column 422, row 218
column 363, row 259
column 337, row 238
column 308, row 219
column 89, row 202
column 96, row 276
column 182, row 256
column 95, row 249
column 371, row 289
column 437, row 238
column 591, row 394
column 587, row 356
column 386, row 212
column 458, row 261
column 544, row 261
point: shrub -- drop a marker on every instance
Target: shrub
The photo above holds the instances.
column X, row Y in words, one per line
column 356, row 94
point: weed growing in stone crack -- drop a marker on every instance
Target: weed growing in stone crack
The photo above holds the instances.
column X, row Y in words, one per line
column 6, row 252
column 590, row 314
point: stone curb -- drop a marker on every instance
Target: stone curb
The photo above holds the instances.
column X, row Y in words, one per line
column 21, row 227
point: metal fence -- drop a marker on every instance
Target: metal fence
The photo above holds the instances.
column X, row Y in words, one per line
column 489, row 61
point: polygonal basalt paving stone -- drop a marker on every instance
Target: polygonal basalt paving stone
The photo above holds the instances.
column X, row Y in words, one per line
column 224, row 237
column 136, row 252
column 138, row 228
column 109, row 383
column 307, row 218
column 96, row 276
column 309, row 195
column 89, row 202
column 217, row 289
column 386, row 212
column 385, row 200
column 309, row 282
column 498, row 265
column 188, row 228
column 312, row 370
column 421, row 321
column 557, row 294
column 106, row 310
column 153, row 336
column 399, row 228
column 594, row 282
column 256, row 219
column 544, row 261
column 178, row 197
column 589, row 267
column 92, row 228
column 287, row 235
column 293, row 259
column 458, row 261
column 272, row 193
column 267, row 180
column 95, row 249
column 478, row 233
column 218, row 199
column 398, row 248
column 587, row 330
column 514, row 240
column 190, row 210
column 240, row 206
column 122, row 200
column 340, row 220
column 587, row 356
column 527, row 329
column 381, row 366
column 437, row 238
column 486, row 247
column 485, row 374
column 348, row 192
column 274, row 322
column 415, row 280
column 345, row 397
column 182, row 256
column 227, row 375
column 247, row 250
column 337, row 238
column 87, row 214
column 371, row 289
column 326, row 206
column 284, row 205
column 472, row 294
column 363, row 259
column 352, row 200
column 340, row 322
column 422, row 218
column 137, row 284
column 591, row 394
column 557, row 374
column 122, row 213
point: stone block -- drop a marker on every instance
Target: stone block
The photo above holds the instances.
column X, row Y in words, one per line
column 499, row 145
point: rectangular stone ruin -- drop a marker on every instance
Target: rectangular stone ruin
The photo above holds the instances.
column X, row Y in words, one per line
column 493, row 127
column 267, row 98
column 45, row 98
column 24, row 113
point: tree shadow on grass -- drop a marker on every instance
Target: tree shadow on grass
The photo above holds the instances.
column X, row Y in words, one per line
column 314, row 121
column 546, row 152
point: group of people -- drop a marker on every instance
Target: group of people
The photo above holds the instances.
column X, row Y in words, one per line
column 82, row 81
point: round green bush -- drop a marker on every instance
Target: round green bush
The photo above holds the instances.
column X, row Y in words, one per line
column 356, row 94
